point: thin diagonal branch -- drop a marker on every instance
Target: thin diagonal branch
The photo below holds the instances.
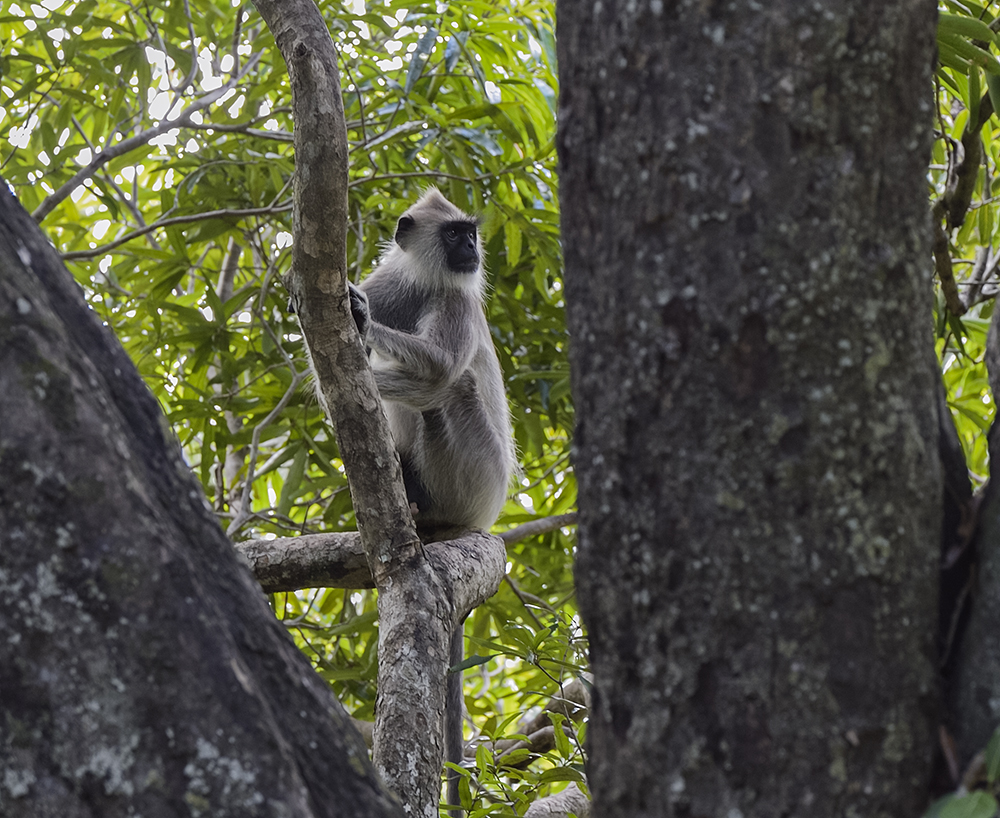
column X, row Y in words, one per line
column 137, row 141
column 173, row 220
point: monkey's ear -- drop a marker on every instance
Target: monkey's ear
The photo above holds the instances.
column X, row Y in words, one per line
column 404, row 227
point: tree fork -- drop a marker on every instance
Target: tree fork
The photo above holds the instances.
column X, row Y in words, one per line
column 419, row 606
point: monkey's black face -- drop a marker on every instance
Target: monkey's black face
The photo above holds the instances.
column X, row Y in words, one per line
column 459, row 240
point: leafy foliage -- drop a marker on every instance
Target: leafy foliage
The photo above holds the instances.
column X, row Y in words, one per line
column 965, row 182
column 968, row 73
column 153, row 142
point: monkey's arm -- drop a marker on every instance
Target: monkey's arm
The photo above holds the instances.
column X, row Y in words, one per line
column 419, row 369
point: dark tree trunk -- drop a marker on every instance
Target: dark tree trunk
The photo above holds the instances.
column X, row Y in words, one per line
column 747, row 264
column 974, row 682
column 141, row 672
column 973, row 674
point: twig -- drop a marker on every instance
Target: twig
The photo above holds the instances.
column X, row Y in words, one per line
column 194, row 217
column 54, row 200
column 984, row 261
column 536, row 527
column 942, row 261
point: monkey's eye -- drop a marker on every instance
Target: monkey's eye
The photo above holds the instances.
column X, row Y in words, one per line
column 451, row 233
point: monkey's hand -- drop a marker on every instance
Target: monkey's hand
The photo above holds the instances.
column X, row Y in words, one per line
column 359, row 309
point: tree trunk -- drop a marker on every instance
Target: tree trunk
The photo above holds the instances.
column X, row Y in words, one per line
column 974, row 685
column 973, row 680
column 141, row 671
column 747, row 245
column 421, row 598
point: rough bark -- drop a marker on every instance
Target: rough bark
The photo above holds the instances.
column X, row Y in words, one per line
column 418, row 608
column 974, row 680
column 571, row 801
column 318, row 281
column 337, row 559
column 745, row 220
column 974, row 688
column 141, row 671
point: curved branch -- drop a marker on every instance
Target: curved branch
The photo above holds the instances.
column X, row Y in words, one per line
column 417, row 609
column 470, row 565
column 571, row 801
column 337, row 559
column 942, row 261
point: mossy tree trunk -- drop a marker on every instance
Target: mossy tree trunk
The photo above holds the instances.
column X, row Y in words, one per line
column 141, row 670
column 745, row 221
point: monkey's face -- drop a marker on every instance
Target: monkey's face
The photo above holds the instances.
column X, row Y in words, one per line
column 461, row 249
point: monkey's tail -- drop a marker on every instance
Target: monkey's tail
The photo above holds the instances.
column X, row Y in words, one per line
column 454, row 744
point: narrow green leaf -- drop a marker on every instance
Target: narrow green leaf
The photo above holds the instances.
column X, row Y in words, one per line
column 974, row 805
column 985, row 223
column 960, row 25
column 992, row 755
column 473, row 661
column 483, row 757
column 293, row 480
column 453, row 50
column 512, row 238
column 562, row 740
column 970, row 52
column 993, row 89
column 424, row 47
column 975, row 92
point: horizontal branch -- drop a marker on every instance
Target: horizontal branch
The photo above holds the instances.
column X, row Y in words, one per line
column 336, row 560
column 538, row 527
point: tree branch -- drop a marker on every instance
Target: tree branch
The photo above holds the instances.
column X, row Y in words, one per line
column 137, row 141
column 418, row 602
column 950, row 209
column 537, row 527
column 173, row 220
column 942, row 261
column 571, row 801
column 470, row 565
column 336, row 559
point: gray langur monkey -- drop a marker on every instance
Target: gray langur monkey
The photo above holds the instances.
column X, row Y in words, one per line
column 420, row 313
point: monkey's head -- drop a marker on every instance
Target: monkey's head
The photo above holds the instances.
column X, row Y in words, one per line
column 442, row 241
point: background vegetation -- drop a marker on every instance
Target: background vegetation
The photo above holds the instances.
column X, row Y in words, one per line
column 153, row 142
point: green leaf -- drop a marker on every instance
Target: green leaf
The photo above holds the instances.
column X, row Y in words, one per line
column 960, row 25
column 992, row 758
column 293, row 481
column 561, row 774
column 562, row 740
column 453, row 50
column 967, row 51
column 512, row 237
column 974, row 805
column 975, row 93
column 419, row 58
column 993, row 89
column 473, row 661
